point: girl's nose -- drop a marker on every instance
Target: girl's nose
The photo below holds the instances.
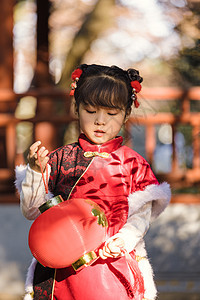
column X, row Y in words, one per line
column 100, row 119
column 99, row 122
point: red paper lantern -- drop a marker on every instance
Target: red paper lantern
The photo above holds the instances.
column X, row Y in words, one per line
column 67, row 233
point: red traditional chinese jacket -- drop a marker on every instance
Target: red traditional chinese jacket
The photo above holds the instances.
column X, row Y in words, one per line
column 122, row 183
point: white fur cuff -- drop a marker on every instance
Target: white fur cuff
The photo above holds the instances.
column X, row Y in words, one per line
column 159, row 194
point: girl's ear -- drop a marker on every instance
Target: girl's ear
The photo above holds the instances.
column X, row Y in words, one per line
column 75, row 109
column 127, row 115
column 126, row 118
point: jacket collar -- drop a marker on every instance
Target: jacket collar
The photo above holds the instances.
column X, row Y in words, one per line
column 108, row 147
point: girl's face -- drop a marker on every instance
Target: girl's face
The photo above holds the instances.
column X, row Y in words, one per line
column 100, row 124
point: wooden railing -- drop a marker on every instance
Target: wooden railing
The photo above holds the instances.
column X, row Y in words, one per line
column 48, row 100
column 181, row 179
column 46, row 123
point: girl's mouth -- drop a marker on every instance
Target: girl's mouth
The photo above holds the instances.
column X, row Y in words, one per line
column 99, row 133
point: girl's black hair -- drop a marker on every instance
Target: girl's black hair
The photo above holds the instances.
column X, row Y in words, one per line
column 106, row 86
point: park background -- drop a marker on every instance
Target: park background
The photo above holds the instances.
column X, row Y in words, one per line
column 42, row 42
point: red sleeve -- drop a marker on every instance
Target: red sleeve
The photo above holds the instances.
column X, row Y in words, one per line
column 142, row 175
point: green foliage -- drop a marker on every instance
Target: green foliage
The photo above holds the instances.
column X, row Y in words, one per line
column 187, row 64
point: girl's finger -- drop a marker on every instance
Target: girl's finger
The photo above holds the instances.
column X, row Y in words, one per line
column 103, row 254
column 114, row 249
column 41, row 150
column 107, row 251
column 44, row 153
column 112, row 246
column 116, row 244
column 46, row 159
column 34, row 147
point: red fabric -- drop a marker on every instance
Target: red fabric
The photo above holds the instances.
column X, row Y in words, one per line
column 108, row 182
column 107, row 280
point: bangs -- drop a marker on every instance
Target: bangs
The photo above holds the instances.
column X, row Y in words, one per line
column 103, row 91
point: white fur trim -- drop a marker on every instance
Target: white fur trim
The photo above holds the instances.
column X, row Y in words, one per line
column 20, row 173
column 147, row 273
column 28, row 297
column 140, row 249
column 146, row 270
column 29, row 280
column 159, row 194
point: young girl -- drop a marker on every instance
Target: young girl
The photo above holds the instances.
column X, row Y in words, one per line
column 100, row 168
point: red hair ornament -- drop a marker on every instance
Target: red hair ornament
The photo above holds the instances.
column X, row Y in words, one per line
column 136, row 89
column 76, row 74
column 136, row 86
column 75, row 77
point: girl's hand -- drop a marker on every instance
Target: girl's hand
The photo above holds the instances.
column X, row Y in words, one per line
column 33, row 157
column 112, row 249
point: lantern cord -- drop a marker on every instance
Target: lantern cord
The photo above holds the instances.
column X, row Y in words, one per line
column 46, row 169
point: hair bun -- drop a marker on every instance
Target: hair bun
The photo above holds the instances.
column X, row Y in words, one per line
column 134, row 75
column 83, row 67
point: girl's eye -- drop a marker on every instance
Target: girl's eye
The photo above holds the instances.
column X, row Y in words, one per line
column 112, row 114
column 90, row 111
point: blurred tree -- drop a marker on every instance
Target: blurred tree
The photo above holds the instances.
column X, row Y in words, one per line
column 42, row 76
column 186, row 63
column 95, row 23
column 45, row 131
